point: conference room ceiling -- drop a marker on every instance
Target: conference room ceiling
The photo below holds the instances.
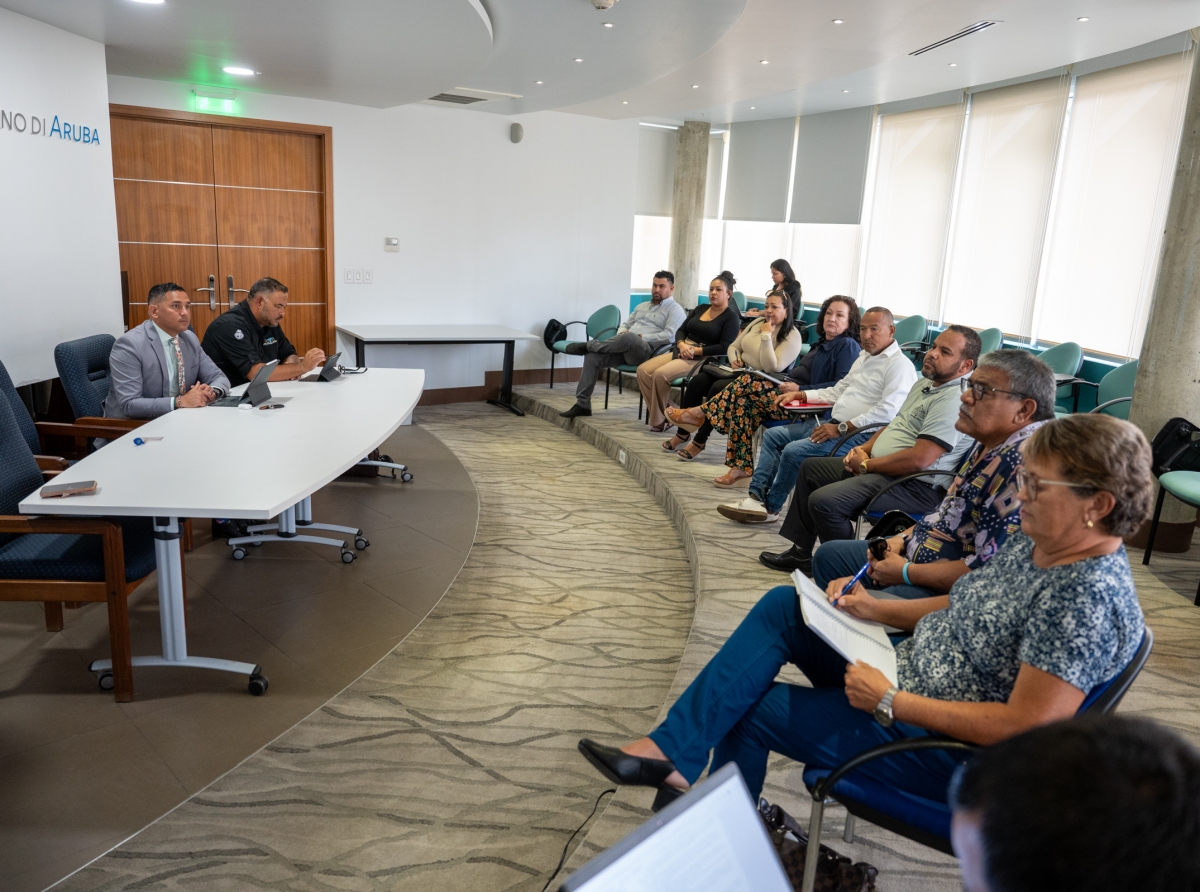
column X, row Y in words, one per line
column 661, row 59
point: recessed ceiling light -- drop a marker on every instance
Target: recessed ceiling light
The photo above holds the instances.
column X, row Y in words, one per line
column 624, row 102
column 953, row 64
column 537, row 82
column 845, row 91
column 578, row 60
column 695, row 86
column 752, row 108
column 234, row 69
column 155, row 2
column 839, row 21
column 764, row 62
column 608, row 24
column 1082, row 18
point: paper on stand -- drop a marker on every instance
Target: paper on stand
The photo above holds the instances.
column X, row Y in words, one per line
column 853, row 638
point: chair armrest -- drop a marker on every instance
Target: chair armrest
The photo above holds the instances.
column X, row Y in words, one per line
column 1103, row 406
column 600, row 335
column 51, row 463
column 665, row 348
column 854, row 433
column 125, row 424
column 912, row 344
column 22, row 524
column 1095, row 384
column 825, row 784
column 60, row 429
column 915, row 475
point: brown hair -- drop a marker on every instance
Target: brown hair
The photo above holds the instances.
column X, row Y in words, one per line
column 852, row 315
column 1101, row 453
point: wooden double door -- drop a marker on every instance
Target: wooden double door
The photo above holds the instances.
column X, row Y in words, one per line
column 215, row 204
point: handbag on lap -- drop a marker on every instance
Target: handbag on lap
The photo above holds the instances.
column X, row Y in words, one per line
column 835, row 873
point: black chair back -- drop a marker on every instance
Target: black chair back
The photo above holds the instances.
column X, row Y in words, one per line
column 19, row 474
column 83, row 369
column 1104, row 698
column 20, row 413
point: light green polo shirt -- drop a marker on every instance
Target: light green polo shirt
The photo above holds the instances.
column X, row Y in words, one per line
column 929, row 413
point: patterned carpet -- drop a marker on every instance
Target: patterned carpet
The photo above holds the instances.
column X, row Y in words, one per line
column 452, row 763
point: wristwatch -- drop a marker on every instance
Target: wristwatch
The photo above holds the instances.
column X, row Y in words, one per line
column 883, row 712
column 862, row 466
column 843, row 427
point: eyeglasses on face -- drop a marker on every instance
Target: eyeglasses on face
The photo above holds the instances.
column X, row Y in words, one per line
column 980, row 390
column 1032, row 484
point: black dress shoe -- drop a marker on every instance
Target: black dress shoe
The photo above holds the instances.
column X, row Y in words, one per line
column 787, row 561
column 228, row 529
column 622, row 768
column 576, row 348
column 575, row 411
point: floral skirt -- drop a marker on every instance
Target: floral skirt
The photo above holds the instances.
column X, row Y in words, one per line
column 737, row 411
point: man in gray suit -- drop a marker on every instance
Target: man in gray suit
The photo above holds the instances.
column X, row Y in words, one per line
column 159, row 366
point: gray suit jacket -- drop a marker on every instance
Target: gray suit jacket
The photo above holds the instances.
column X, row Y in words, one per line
column 139, row 383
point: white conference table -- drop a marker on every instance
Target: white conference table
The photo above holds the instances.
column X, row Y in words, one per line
column 444, row 334
column 233, row 463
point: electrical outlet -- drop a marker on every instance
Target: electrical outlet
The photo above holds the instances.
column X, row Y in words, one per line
column 358, row 277
column 621, row 456
column 349, row 276
column 391, row 243
column 367, row 276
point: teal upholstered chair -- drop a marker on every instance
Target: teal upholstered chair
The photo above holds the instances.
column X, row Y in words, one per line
column 1065, row 360
column 1115, row 391
column 990, row 339
column 910, row 335
column 739, row 301
column 1176, row 464
column 601, row 326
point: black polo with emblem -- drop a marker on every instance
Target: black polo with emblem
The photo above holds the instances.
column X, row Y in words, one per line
column 236, row 343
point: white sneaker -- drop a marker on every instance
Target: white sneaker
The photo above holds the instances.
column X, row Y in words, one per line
column 747, row 510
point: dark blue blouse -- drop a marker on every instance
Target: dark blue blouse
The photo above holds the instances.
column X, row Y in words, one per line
column 831, row 362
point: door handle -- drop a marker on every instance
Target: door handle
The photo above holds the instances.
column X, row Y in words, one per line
column 230, row 290
column 212, row 292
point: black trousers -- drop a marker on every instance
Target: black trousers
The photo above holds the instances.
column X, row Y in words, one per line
column 701, row 388
column 828, row 498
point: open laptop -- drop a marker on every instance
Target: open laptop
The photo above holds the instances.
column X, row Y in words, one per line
column 709, row 839
column 327, row 372
column 257, row 392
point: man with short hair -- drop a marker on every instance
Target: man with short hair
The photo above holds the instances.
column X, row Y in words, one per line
column 158, row 366
column 871, row 392
column 923, row 436
column 651, row 325
column 1095, row 802
column 1009, row 396
column 243, row 339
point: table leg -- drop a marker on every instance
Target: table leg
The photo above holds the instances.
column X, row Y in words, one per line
column 360, row 353
column 505, row 400
column 172, row 618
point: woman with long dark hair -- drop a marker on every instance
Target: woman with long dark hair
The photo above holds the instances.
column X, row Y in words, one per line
column 783, row 281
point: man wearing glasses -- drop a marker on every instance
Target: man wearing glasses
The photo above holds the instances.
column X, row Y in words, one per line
column 1009, row 395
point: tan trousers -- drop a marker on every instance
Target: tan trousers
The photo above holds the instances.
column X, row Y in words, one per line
column 654, row 379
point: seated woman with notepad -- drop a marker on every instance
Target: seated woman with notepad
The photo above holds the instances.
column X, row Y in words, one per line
column 739, row 409
column 769, row 344
column 1016, row 644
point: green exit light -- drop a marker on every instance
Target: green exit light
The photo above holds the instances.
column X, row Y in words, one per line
column 210, row 104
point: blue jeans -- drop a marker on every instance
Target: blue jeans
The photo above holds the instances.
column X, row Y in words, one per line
column 844, row 557
column 735, row 708
column 783, row 450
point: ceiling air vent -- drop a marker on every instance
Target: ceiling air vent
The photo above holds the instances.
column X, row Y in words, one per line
column 470, row 96
column 970, row 29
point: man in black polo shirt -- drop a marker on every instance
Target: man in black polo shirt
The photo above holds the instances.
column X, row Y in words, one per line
column 243, row 339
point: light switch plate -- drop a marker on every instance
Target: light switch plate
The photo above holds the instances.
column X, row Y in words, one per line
column 349, row 276
column 358, row 277
column 367, row 277
column 391, row 243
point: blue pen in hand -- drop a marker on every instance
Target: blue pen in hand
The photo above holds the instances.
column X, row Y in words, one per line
column 853, row 582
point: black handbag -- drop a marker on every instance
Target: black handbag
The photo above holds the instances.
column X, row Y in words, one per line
column 1175, row 447
column 554, row 331
column 835, row 873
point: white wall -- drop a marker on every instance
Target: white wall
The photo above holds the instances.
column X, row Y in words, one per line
column 58, row 222
column 490, row 232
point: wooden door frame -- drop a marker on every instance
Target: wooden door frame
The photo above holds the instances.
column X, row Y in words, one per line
column 326, row 136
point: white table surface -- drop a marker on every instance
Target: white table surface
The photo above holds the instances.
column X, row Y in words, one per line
column 435, row 333
column 242, row 463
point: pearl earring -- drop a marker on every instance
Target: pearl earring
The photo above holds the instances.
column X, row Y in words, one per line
column 1090, row 524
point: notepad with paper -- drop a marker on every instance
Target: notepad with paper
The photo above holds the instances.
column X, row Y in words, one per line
column 853, row 638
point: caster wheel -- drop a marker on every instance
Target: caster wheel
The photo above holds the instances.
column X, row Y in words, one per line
column 256, row 544
column 347, row 557
column 406, row 477
column 239, row 553
column 105, row 681
column 258, row 685
column 360, row 543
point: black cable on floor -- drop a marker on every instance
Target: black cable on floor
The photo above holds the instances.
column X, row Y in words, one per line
column 562, row 860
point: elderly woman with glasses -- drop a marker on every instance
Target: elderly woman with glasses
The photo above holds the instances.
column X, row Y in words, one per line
column 1015, row 644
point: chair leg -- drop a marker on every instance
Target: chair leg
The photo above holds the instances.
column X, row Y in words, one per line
column 620, row 382
column 848, row 833
column 1197, row 601
column 54, row 615
column 122, row 653
column 551, row 369
column 187, row 534
column 814, row 845
column 1162, row 494
column 607, row 376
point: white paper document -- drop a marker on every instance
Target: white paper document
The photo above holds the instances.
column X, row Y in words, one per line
column 853, row 638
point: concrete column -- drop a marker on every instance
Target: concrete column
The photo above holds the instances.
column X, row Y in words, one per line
column 687, row 209
column 1168, row 379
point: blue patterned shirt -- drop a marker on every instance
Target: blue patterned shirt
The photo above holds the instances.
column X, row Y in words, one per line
column 1080, row 622
column 980, row 509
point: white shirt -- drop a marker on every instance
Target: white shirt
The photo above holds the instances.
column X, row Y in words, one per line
column 873, row 390
column 172, row 368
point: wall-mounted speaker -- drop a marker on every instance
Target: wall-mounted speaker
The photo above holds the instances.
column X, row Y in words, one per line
column 516, row 133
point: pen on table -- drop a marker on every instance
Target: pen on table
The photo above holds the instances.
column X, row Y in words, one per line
column 853, row 582
column 142, row 441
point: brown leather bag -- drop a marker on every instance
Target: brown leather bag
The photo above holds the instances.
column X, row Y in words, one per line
column 835, row 873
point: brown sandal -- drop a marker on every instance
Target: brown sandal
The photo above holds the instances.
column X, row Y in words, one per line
column 683, row 417
column 727, row 480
